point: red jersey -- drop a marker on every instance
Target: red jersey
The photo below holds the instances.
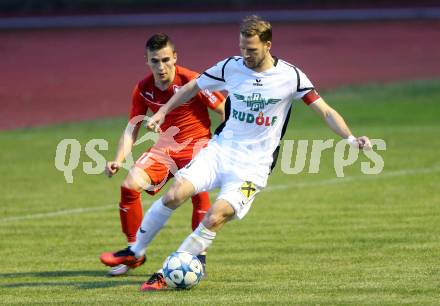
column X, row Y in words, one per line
column 192, row 118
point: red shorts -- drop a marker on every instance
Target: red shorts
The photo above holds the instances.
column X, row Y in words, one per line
column 161, row 163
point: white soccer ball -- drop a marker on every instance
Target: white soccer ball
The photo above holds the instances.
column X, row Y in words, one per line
column 182, row 270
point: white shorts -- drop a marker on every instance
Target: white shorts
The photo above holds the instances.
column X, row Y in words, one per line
column 210, row 169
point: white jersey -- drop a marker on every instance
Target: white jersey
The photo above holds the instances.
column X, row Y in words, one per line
column 259, row 109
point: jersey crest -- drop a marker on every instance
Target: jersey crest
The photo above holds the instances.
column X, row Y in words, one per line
column 255, row 101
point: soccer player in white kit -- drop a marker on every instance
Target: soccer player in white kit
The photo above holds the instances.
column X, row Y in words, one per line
column 239, row 159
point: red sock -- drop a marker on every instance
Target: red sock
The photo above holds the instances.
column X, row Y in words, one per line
column 130, row 212
column 201, row 205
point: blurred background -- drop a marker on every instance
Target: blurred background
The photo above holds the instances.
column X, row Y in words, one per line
column 15, row 7
column 65, row 60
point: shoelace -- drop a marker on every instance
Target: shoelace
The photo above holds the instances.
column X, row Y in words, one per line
column 156, row 277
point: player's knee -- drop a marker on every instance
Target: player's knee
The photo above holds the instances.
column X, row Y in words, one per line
column 136, row 181
column 176, row 195
column 216, row 219
column 172, row 199
column 132, row 184
column 169, row 197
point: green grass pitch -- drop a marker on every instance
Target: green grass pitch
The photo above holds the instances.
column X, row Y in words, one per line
column 309, row 238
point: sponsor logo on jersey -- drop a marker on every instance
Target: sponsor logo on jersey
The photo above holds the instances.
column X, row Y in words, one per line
column 257, row 82
column 255, row 101
column 260, row 119
column 149, row 94
column 248, row 190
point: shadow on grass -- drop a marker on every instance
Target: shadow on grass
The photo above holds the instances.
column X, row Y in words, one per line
column 78, row 285
column 54, row 273
column 103, row 282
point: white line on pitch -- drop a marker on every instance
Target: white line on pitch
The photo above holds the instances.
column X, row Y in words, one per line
column 270, row 188
column 58, row 213
column 333, row 181
column 61, row 213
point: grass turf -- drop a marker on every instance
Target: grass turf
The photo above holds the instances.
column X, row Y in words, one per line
column 309, row 238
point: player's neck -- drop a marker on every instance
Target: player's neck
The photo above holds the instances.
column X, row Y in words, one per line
column 163, row 85
column 266, row 64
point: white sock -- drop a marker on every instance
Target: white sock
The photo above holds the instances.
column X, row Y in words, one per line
column 198, row 241
column 152, row 223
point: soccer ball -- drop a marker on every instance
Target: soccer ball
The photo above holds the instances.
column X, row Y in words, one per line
column 182, row 270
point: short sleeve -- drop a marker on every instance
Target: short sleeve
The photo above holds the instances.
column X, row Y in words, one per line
column 214, row 77
column 138, row 107
column 303, row 84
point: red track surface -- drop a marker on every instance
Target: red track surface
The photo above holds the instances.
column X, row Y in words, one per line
column 70, row 75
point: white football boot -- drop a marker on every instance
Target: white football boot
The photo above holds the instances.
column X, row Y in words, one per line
column 118, row 270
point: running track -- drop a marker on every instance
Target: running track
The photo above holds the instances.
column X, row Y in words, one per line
column 52, row 76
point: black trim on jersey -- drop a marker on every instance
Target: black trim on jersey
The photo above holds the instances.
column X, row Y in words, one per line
column 305, row 88
column 298, row 80
column 222, row 79
column 213, row 77
column 219, row 129
column 288, row 64
column 275, row 60
column 275, row 155
column 283, row 131
column 223, row 68
column 277, row 150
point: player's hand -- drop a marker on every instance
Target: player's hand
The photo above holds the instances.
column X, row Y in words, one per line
column 364, row 143
column 111, row 168
column 156, row 121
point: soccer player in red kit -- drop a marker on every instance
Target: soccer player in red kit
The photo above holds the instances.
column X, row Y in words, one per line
column 185, row 131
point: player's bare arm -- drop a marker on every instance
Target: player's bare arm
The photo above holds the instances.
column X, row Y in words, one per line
column 185, row 93
column 220, row 109
column 337, row 124
column 125, row 145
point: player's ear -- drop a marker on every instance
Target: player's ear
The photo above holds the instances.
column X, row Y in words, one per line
column 268, row 45
column 175, row 55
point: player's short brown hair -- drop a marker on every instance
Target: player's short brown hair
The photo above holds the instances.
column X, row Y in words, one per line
column 159, row 41
column 255, row 25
